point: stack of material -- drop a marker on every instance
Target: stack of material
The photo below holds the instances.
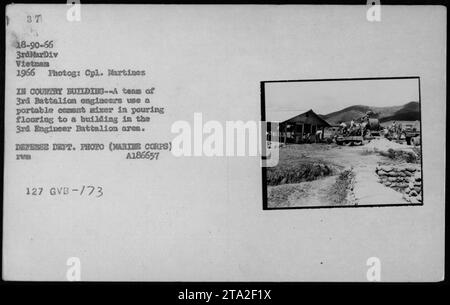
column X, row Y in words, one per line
column 413, row 193
column 406, row 179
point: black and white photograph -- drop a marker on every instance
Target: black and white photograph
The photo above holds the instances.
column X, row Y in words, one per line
column 344, row 142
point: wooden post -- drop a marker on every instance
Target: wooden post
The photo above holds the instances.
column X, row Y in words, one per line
column 315, row 132
column 303, row 130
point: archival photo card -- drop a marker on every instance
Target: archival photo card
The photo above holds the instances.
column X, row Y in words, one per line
column 224, row 143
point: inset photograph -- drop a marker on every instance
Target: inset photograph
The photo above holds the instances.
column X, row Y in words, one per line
column 343, row 142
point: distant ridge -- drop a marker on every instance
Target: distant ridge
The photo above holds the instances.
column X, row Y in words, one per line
column 407, row 112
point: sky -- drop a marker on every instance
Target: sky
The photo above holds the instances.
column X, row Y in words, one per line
column 287, row 99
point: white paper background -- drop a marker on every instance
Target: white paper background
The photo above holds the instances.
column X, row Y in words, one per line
column 201, row 219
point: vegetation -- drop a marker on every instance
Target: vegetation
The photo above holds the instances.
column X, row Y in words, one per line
column 418, row 151
column 339, row 190
column 401, row 155
column 295, row 167
column 398, row 155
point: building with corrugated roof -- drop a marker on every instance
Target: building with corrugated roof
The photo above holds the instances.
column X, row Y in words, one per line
column 301, row 128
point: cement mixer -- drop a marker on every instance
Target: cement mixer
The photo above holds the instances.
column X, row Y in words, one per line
column 373, row 125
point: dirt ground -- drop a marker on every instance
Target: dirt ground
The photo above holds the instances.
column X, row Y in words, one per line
column 363, row 189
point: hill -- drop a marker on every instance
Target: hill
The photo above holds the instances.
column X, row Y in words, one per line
column 406, row 112
column 409, row 112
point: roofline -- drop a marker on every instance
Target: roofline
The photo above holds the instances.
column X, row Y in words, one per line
column 310, row 110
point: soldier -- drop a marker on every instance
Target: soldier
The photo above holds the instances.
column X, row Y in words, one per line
column 394, row 126
column 307, row 138
column 358, row 129
column 343, row 126
column 318, row 135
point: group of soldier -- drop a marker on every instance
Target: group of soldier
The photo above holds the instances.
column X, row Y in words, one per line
column 360, row 128
column 354, row 129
